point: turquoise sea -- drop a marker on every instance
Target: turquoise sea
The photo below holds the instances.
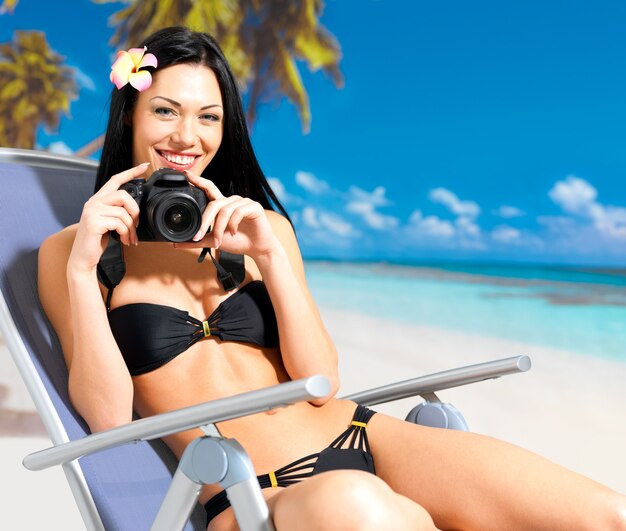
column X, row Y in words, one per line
column 575, row 309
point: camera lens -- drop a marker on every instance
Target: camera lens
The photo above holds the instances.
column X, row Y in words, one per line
column 175, row 216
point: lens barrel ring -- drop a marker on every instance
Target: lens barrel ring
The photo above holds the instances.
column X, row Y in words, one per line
column 174, row 215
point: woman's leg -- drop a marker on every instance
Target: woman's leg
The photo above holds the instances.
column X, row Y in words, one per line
column 346, row 500
column 468, row 481
column 340, row 500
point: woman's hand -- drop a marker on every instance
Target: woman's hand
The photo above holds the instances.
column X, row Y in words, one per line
column 235, row 224
column 109, row 209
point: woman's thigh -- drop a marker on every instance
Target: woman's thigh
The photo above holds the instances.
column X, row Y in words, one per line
column 339, row 500
column 346, row 500
column 469, row 481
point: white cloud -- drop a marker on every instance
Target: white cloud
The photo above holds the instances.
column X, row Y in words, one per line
column 506, row 234
column 430, row 226
column 574, row 195
column 578, row 197
column 453, row 203
column 364, row 204
column 309, row 218
column 375, row 198
column 336, row 224
column 279, row 189
column 60, row 148
column 556, row 223
column 610, row 220
column 374, row 219
column 467, row 226
column 311, row 183
column 508, row 212
column 321, row 220
column 83, row 80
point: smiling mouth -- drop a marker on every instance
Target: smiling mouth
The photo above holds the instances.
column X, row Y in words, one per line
column 177, row 159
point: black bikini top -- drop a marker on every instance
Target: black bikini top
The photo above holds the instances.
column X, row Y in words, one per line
column 150, row 335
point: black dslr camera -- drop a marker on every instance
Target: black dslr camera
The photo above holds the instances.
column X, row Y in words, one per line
column 170, row 209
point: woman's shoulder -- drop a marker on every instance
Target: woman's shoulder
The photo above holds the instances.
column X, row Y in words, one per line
column 279, row 222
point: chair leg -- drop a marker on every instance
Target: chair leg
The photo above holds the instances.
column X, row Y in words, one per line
column 178, row 503
column 210, row 460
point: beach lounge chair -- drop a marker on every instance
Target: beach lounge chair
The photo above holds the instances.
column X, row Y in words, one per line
column 125, row 486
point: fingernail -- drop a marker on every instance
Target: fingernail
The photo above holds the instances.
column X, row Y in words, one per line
column 217, row 244
column 144, row 164
column 197, row 237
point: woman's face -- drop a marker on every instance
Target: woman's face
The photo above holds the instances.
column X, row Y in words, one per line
column 178, row 121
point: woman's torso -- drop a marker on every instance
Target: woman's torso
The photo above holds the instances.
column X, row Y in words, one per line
column 210, row 369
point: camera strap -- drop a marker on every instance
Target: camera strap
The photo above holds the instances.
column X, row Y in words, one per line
column 230, row 268
column 111, row 267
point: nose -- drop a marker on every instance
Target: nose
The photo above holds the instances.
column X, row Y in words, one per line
column 185, row 134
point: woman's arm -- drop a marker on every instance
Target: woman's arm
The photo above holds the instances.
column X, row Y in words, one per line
column 305, row 345
column 100, row 386
column 240, row 225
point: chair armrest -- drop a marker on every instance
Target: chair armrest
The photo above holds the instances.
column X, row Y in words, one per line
column 183, row 419
column 34, row 158
column 441, row 380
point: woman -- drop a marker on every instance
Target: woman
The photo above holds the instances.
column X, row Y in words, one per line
column 185, row 114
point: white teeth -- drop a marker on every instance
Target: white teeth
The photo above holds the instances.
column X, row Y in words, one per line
column 183, row 160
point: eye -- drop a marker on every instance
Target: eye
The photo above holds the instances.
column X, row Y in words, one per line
column 164, row 111
column 210, row 117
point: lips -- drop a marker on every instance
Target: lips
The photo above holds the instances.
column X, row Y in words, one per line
column 174, row 160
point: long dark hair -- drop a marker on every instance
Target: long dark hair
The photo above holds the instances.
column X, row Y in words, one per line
column 234, row 168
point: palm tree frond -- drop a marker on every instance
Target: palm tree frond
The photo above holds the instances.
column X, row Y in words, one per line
column 263, row 41
column 36, row 88
column 8, row 7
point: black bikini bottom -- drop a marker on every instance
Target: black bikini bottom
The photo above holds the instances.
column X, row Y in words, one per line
column 356, row 456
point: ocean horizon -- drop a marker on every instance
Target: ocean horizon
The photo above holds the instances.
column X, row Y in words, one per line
column 578, row 309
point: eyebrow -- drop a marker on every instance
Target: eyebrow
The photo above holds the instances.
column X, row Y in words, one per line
column 176, row 104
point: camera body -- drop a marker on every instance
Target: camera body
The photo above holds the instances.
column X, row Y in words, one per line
column 170, row 209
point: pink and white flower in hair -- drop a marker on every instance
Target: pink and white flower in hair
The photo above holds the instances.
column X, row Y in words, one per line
column 126, row 67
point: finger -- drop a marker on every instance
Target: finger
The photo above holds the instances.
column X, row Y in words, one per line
column 251, row 210
column 124, row 199
column 223, row 218
column 120, row 198
column 121, row 178
column 95, row 218
column 115, row 224
column 121, row 213
column 208, row 216
column 207, row 186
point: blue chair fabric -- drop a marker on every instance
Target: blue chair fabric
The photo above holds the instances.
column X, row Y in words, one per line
column 127, row 483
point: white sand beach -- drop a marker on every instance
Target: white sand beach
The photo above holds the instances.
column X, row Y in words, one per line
column 31, row 500
column 568, row 408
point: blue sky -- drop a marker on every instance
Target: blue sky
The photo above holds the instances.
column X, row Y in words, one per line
column 483, row 131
